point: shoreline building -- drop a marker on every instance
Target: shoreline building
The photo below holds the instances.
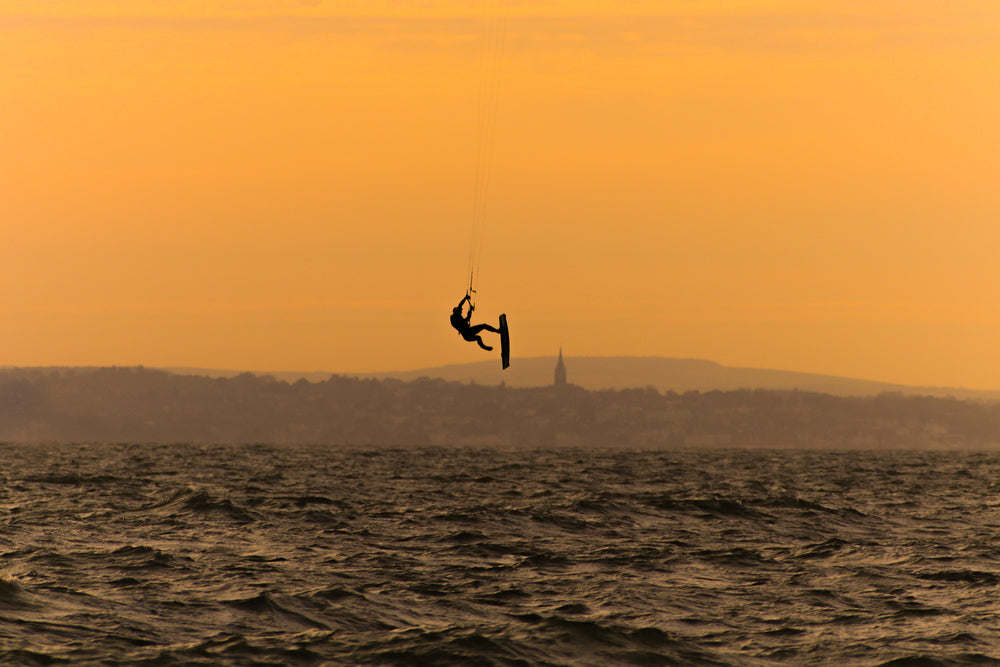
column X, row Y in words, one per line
column 560, row 380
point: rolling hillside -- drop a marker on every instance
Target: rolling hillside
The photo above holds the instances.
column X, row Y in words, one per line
column 666, row 374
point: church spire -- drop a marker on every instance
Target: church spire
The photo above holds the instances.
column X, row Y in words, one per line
column 560, row 370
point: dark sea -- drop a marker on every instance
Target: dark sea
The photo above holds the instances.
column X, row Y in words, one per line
column 275, row 555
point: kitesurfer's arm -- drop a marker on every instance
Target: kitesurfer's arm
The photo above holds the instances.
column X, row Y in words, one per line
column 467, row 299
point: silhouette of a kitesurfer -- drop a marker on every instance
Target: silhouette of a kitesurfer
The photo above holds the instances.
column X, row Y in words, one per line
column 463, row 323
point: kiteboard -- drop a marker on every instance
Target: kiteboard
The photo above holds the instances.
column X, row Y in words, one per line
column 504, row 341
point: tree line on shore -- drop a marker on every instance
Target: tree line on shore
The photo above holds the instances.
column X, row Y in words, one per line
column 145, row 405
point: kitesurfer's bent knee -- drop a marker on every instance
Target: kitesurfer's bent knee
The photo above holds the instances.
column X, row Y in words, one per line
column 472, row 337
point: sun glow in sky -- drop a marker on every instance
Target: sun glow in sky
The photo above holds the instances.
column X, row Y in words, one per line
column 288, row 185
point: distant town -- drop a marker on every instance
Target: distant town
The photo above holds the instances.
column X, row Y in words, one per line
column 140, row 405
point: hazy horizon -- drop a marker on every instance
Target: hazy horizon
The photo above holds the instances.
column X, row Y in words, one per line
column 594, row 372
column 290, row 184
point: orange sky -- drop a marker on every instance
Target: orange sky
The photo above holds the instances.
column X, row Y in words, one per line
column 288, row 185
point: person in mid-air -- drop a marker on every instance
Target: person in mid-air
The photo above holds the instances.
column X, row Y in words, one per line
column 463, row 323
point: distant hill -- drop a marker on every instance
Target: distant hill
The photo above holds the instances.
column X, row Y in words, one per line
column 665, row 374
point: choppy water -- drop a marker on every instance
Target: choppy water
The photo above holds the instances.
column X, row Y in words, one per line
column 166, row 555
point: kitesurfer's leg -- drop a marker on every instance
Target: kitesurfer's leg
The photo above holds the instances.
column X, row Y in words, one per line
column 482, row 327
column 483, row 345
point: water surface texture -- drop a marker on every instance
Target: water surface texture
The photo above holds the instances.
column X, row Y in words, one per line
column 254, row 555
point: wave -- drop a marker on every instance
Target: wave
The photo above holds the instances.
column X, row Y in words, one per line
column 227, row 648
column 463, row 537
column 614, row 642
column 11, row 592
column 823, row 549
column 566, row 521
column 279, row 608
column 325, row 518
column 306, row 500
column 736, row 556
column 144, row 557
column 457, row 645
column 489, row 549
column 707, row 507
column 973, row 577
column 503, row 597
column 76, row 479
column 924, row 660
column 794, row 502
column 335, row 594
column 190, row 501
